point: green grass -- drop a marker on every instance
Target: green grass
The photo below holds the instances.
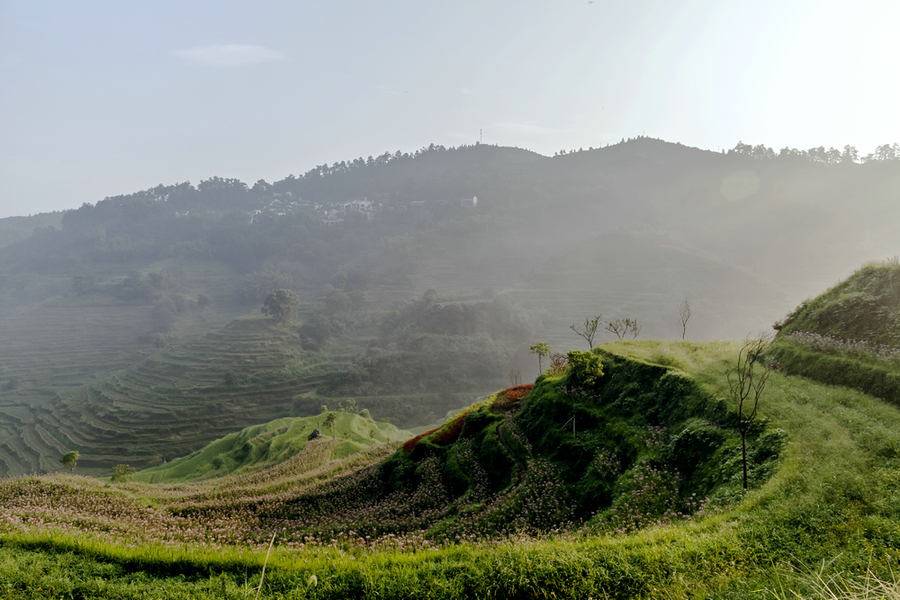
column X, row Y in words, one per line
column 261, row 446
column 864, row 306
column 849, row 335
column 834, row 497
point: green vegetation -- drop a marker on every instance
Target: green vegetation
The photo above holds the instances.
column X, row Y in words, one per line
column 585, row 368
column 825, row 483
column 253, row 369
column 122, row 472
column 850, row 335
column 618, row 474
column 630, row 229
column 70, row 459
column 263, row 446
column 281, row 305
column 435, row 345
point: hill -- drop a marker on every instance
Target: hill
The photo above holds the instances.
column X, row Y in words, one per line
column 14, row 229
column 601, row 511
column 849, row 335
column 261, row 446
column 629, row 230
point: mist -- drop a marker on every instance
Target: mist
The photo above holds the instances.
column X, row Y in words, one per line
column 423, row 278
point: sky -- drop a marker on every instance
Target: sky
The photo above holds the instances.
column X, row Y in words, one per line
column 104, row 97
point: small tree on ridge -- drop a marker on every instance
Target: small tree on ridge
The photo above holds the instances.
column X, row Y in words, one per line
column 330, row 420
column 623, row 328
column 542, row 349
column 588, row 330
column 747, row 382
column 684, row 314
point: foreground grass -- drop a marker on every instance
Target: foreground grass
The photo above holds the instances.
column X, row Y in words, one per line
column 835, row 498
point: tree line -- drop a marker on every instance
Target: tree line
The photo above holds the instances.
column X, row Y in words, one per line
column 831, row 156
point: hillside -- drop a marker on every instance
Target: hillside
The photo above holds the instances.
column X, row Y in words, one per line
column 644, row 275
column 642, row 500
column 173, row 400
column 14, row 229
column 849, row 335
column 630, row 230
column 262, row 446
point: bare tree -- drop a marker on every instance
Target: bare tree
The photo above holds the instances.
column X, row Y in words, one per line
column 684, row 315
column 559, row 363
column 589, row 330
column 515, row 377
column 747, row 382
column 623, row 328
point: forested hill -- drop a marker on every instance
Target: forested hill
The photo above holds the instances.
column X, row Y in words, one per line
column 779, row 216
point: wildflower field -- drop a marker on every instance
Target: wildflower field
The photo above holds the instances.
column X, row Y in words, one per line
column 643, row 499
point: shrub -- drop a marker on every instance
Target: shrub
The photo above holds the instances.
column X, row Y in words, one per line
column 122, row 472
column 558, row 363
column 449, row 433
column 410, row 444
column 508, row 398
column 585, row 368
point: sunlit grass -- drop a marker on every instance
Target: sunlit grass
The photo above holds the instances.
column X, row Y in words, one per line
column 835, row 497
column 686, row 356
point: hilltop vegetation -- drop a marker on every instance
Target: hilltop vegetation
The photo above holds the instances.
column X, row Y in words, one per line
column 384, row 522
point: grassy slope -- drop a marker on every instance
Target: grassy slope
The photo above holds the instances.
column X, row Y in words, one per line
column 835, row 497
column 269, row 444
column 849, row 335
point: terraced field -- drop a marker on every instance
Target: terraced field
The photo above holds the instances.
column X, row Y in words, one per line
column 50, row 348
column 173, row 401
column 85, row 377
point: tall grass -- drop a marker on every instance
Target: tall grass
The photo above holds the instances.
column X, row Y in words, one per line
column 821, row 584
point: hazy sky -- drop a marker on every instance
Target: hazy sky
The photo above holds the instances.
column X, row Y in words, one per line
column 102, row 97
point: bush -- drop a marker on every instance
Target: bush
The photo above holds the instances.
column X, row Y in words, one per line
column 559, row 363
column 122, row 472
column 509, row 398
column 585, row 368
